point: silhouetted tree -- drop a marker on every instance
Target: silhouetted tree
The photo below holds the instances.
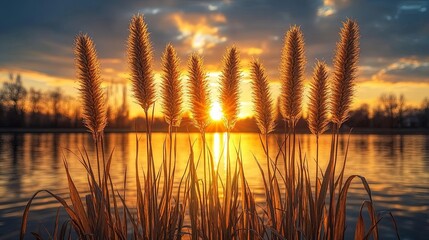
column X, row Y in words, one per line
column 2, row 110
column 122, row 114
column 56, row 97
column 378, row 118
column 13, row 94
column 401, row 108
column 360, row 117
column 35, row 101
column 424, row 114
column 389, row 103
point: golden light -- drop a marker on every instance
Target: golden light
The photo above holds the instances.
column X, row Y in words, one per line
column 199, row 31
column 198, row 41
column 216, row 112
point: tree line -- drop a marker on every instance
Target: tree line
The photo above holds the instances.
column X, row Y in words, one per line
column 391, row 111
column 32, row 108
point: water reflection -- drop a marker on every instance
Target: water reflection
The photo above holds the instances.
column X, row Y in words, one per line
column 396, row 166
column 216, row 149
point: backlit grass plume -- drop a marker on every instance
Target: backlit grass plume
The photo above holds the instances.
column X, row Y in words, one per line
column 88, row 73
column 292, row 74
column 345, row 68
column 140, row 62
column 318, row 100
column 229, row 87
column 199, row 93
column 263, row 105
column 263, row 109
column 318, row 109
column 171, row 87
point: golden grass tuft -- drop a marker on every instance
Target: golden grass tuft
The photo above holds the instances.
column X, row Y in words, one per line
column 205, row 206
column 88, row 73
column 199, row 93
column 171, row 87
column 263, row 104
column 292, row 69
column 345, row 68
column 229, row 87
column 318, row 100
column 140, row 61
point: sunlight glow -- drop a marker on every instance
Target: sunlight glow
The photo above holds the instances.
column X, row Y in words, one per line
column 199, row 31
column 327, row 9
column 216, row 112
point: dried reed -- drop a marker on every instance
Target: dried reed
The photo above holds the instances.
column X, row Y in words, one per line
column 199, row 93
column 265, row 120
column 263, row 104
column 171, row 87
column 292, row 74
column 229, row 100
column 140, row 62
column 229, row 87
column 345, row 68
column 200, row 106
column 88, row 73
column 94, row 109
column 318, row 110
column 318, row 100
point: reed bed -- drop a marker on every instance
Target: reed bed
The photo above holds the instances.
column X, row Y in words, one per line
column 212, row 206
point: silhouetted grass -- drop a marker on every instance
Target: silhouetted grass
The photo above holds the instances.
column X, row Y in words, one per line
column 206, row 207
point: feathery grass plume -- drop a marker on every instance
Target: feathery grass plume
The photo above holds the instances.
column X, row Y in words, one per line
column 345, row 68
column 292, row 77
column 229, row 87
column 171, row 90
column 318, row 100
column 318, row 113
column 140, row 61
column 292, row 74
column 171, row 87
column 88, row 73
column 262, row 99
column 199, row 93
column 263, row 108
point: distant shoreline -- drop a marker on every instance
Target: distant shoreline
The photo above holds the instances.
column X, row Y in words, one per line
column 379, row 131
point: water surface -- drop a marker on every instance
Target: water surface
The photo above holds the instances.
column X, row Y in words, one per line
column 396, row 166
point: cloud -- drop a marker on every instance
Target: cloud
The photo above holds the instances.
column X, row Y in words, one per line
column 198, row 31
column 410, row 69
column 327, row 9
column 38, row 36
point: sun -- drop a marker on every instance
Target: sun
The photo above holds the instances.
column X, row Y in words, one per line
column 216, row 112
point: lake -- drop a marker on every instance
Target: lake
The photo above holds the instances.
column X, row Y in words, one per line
column 396, row 167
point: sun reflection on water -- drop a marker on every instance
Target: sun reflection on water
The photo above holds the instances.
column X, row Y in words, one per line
column 219, row 146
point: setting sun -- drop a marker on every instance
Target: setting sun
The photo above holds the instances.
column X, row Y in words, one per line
column 216, row 112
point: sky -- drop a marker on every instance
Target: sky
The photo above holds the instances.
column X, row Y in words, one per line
column 36, row 39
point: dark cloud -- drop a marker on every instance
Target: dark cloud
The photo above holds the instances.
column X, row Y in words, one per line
column 38, row 35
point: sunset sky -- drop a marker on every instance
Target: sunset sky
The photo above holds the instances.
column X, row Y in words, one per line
column 36, row 39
